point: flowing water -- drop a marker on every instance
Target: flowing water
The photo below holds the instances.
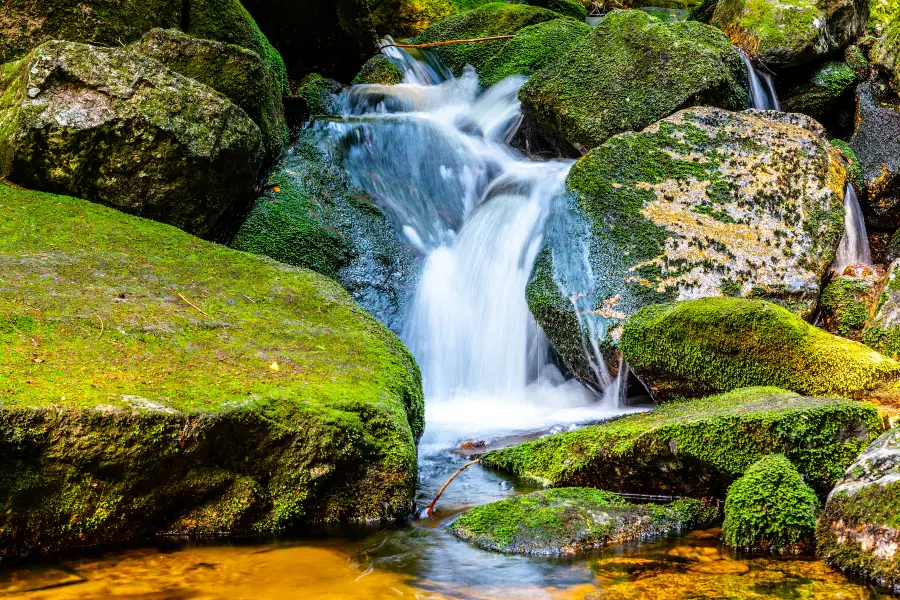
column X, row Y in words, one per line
column 762, row 87
column 854, row 246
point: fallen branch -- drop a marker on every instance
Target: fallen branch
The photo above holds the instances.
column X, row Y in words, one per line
column 102, row 326
column 197, row 308
column 460, row 470
column 448, row 42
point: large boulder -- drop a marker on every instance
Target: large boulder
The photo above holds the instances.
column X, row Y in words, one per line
column 157, row 383
column 697, row 347
column 699, row 447
column 876, row 144
column 704, row 203
column 632, row 71
column 117, row 127
column 858, row 531
column 786, row 33
column 821, row 93
column 568, row 521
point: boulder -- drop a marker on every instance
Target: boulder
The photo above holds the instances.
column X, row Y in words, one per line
column 882, row 331
column 235, row 72
column 567, row 8
column 787, row 33
column 310, row 216
column 703, row 203
column 699, row 447
column 117, row 127
column 156, row 383
column 858, row 531
column 697, row 347
column 632, row 71
column 876, row 144
column 319, row 94
column 770, row 509
column 380, row 70
column 848, row 301
column 821, row 93
column 886, row 52
column 568, row 521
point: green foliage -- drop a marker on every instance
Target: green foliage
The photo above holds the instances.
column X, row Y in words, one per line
column 770, row 508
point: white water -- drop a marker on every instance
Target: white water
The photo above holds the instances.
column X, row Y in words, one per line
column 854, row 246
column 762, row 87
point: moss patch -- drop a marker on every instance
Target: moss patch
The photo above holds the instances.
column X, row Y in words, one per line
column 380, row 70
column 846, row 304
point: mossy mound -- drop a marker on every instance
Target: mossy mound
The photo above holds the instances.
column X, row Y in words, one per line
column 569, row 521
column 859, row 531
column 770, row 509
column 117, row 127
column 380, row 70
column 237, row 73
column 824, row 89
column 153, row 382
column 711, row 345
column 846, row 303
column 699, row 447
column 489, row 20
column 632, row 71
column 567, row 8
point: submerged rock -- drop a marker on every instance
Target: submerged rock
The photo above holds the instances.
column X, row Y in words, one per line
column 157, row 383
column 117, row 127
column 785, row 33
column 858, row 531
column 876, row 144
column 632, row 71
column 570, row 521
column 699, row 447
column 697, row 347
column 771, row 509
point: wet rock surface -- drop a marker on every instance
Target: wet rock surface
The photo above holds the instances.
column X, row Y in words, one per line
column 876, row 143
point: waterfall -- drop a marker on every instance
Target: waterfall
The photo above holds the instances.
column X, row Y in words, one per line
column 854, row 246
column 762, row 87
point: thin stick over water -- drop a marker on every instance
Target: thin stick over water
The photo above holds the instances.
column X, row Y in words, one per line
column 452, row 477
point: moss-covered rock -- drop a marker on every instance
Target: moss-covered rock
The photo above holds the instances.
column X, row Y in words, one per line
column 821, row 91
column 847, row 302
column 882, row 331
column 704, row 203
column 632, row 71
column 785, row 33
column 319, row 94
column 567, row 8
column 859, row 531
column 886, row 52
column 569, row 521
column 699, row 447
column 408, row 18
column 239, row 74
column 711, row 345
column 380, row 70
column 771, row 509
column 117, row 127
column 312, row 217
column 153, row 382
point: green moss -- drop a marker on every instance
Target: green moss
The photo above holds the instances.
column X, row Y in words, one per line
column 844, row 305
column 567, row 8
column 717, row 344
column 319, row 93
column 770, row 508
column 148, row 378
column 379, row 69
column 826, row 87
column 855, row 170
column 882, row 13
column 698, row 447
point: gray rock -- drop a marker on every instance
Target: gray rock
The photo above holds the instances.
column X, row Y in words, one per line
column 876, row 144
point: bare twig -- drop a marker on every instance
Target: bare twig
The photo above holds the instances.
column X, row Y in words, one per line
column 102, row 326
column 460, row 470
column 248, row 297
column 448, row 42
column 197, row 308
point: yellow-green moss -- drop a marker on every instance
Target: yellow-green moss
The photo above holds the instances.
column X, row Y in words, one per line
column 379, row 69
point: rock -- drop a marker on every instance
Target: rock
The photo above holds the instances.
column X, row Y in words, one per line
column 380, row 70
column 181, row 387
column 770, row 509
column 408, row 18
column 882, row 331
column 119, row 128
column 876, row 143
column 823, row 92
column 698, row 447
column 886, row 52
column 848, row 301
column 858, row 530
column 312, row 217
column 697, row 347
column 567, row 8
column 632, row 71
column 568, row 521
column 704, row 203
column 494, row 19
column 786, row 33
column 319, row 94
column 235, row 72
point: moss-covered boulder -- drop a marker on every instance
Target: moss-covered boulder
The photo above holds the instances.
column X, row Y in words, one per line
column 379, row 70
column 237, row 73
column 859, row 531
column 847, row 302
column 876, row 143
column 310, row 216
column 710, row 345
column 820, row 92
column 785, row 33
column 704, row 203
column 882, row 331
column 771, row 509
column 886, row 52
column 153, row 382
column 319, row 93
column 568, row 521
column 117, row 127
column 408, row 18
column 632, row 71
column 699, row 447
column 573, row 9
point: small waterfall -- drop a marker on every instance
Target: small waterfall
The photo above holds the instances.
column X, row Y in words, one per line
column 854, row 246
column 762, row 87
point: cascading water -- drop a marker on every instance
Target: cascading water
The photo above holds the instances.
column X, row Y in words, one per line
column 854, row 246
column 762, row 87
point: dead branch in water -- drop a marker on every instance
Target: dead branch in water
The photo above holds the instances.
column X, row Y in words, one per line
column 458, row 471
column 448, row 42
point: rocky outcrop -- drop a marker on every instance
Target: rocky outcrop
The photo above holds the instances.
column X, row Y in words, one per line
column 632, row 71
column 568, row 521
column 181, row 387
column 697, row 347
column 876, row 144
column 786, row 33
column 119, row 128
column 699, row 447
column 858, row 530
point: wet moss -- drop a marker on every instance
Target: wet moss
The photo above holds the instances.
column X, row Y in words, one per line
column 825, row 89
column 379, row 69
column 845, row 304
column 319, row 94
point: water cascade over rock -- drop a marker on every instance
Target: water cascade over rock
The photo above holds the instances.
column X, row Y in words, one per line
column 762, row 87
column 854, row 246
